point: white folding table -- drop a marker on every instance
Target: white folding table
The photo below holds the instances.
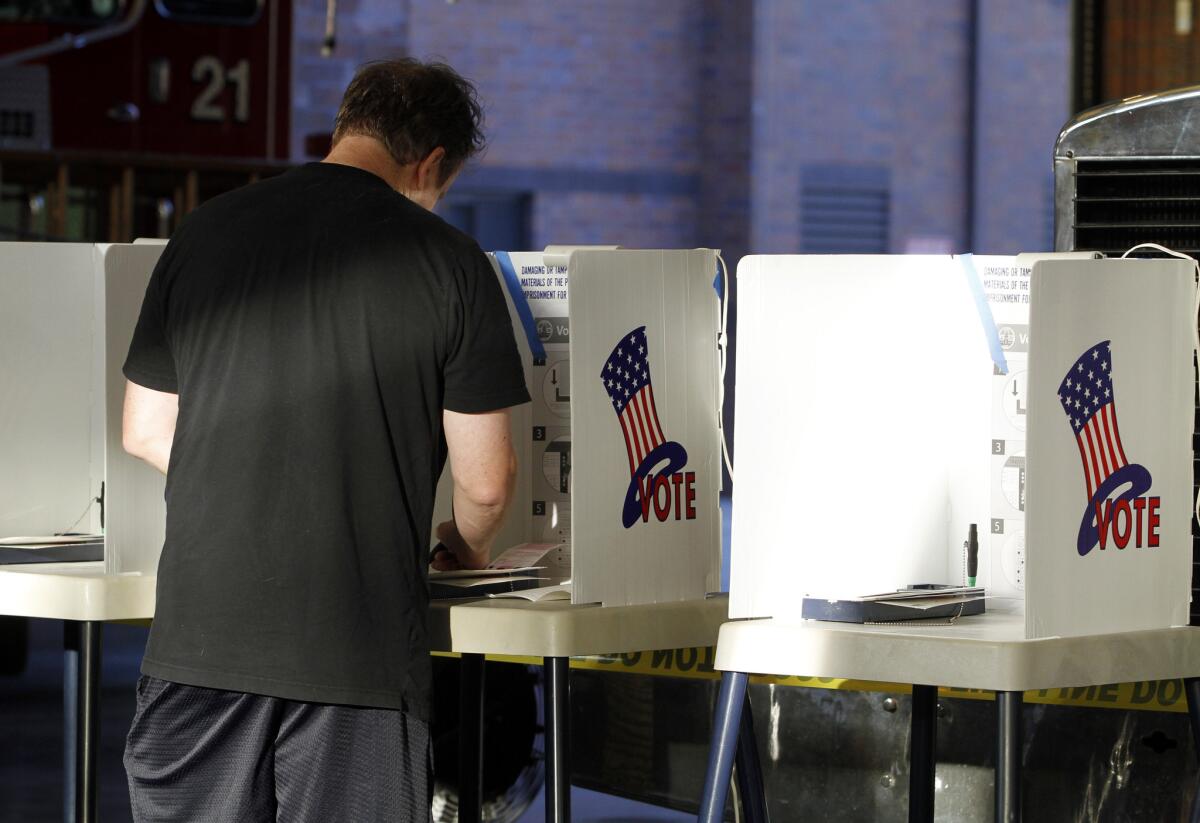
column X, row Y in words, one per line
column 555, row 632
column 83, row 597
column 987, row 651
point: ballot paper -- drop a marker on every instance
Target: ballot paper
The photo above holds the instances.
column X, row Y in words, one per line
column 542, row 594
column 521, row 568
column 448, row 588
column 916, row 595
column 43, row 541
column 533, row 555
column 483, row 574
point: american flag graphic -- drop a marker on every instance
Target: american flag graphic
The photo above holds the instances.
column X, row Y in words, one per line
column 626, row 377
column 1086, row 394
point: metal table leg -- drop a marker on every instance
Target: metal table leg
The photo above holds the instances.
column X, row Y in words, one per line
column 81, row 720
column 470, row 738
column 1008, row 756
column 724, row 744
column 1191, row 688
column 557, row 711
column 922, row 755
column 749, row 770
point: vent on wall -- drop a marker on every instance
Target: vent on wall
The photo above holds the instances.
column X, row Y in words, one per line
column 844, row 209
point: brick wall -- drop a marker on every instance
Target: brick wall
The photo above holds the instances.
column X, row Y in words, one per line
column 366, row 30
column 860, row 83
column 609, row 85
column 601, row 218
column 594, row 104
column 888, row 85
column 689, row 122
column 1023, row 99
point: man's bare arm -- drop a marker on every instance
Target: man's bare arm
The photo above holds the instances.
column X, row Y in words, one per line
column 148, row 424
column 484, row 468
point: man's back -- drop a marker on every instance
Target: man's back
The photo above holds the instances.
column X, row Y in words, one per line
column 314, row 326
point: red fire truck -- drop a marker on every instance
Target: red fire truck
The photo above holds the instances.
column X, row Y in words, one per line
column 117, row 117
column 205, row 78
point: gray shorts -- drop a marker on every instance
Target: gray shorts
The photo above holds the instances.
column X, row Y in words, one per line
column 196, row 754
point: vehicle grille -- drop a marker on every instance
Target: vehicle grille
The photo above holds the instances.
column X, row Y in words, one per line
column 1120, row 203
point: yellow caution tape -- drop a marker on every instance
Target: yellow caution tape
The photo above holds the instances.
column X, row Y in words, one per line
column 697, row 663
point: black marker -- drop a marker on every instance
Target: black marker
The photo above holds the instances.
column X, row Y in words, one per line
column 972, row 547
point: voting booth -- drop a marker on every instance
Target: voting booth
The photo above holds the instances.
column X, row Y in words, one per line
column 619, row 452
column 885, row 403
column 1110, row 485
column 68, row 311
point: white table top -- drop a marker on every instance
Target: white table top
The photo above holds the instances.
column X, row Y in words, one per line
column 82, row 591
column 987, row 651
column 558, row 629
column 75, row 591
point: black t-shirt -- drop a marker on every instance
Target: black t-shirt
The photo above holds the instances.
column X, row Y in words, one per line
column 314, row 326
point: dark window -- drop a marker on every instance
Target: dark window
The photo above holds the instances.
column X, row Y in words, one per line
column 499, row 221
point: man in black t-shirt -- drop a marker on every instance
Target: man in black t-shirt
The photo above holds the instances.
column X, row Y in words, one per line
column 310, row 350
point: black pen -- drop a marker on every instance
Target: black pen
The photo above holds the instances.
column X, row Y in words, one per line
column 972, row 547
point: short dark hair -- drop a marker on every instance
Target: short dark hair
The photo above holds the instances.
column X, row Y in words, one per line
column 412, row 108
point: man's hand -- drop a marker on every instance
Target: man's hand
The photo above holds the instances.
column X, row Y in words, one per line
column 452, row 549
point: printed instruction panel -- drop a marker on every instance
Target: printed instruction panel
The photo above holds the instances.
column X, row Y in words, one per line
column 1007, row 288
column 545, row 289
